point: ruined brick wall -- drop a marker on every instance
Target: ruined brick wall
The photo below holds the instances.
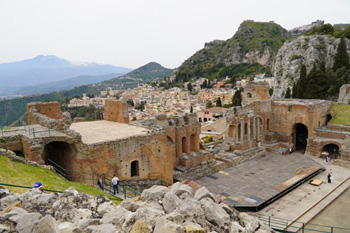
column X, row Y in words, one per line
column 286, row 114
column 255, row 92
column 247, row 125
column 48, row 115
column 50, row 109
column 116, row 110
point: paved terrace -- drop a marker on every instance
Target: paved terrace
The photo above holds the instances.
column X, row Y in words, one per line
column 257, row 180
column 31, row 131
column 100, row 131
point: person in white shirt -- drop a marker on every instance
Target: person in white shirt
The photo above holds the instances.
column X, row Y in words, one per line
column 115, row 182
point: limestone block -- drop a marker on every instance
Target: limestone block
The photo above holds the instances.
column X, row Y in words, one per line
column 250, row 223
column 190, row 207
column 140, row 227
column 149, row 213
column 46, row 224
column 170, row 202
column 131, row 205
column 14, row 214
column 236, row 228
column 27, row 222
column 179, row 188
column 163, row 225
column 106, row 208
column 155, row 193
column 70, row 192
column 80, row 214
column 194, row 229
column 66, row 227
column 4, row 192
column 88, row 222
column 203, row 193
column 8, row 200
column 104, row 228
column 214, row 212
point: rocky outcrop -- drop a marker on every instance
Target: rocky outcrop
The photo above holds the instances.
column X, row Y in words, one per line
column 303, row 50
column 159, row 209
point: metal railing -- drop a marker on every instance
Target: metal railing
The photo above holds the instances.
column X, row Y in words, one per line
column 47, row 190
column 158, row 175
column 284, row 225
column 27, row 131
column 326, row 129
column 91, row 179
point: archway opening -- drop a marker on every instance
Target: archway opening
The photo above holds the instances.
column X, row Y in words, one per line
column 60, row 155
column 239, row 132
column 193, row 142
column 184, row 145
column 231, row 131
column 300, row 136
column 332, row 149
column 328, row 118
column 170, row 141
column 134, row 168
column 19, row 153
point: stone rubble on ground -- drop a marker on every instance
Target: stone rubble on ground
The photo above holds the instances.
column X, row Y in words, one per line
column 178, row 209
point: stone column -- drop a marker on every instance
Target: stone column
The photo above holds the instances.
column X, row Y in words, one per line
column 254, row 129
column 248, row 128
column 257, row 129
column 242, row 130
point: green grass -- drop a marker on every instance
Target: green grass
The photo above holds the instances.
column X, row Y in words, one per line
column 340, row 113
column 26, row 175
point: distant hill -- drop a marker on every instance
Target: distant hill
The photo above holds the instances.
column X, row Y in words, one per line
column 254, row 42
column 62, row 85
column 46, row 69
column 12, row 109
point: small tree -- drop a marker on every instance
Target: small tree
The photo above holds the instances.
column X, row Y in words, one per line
column 205, row 84
column 237, row 98
column 189, row 87
column 341, row 59
column 218, row 102
column 209, row 104
column 191, row 109
column 287, row 96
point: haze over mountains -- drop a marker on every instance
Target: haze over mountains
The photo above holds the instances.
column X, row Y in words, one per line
column 34, row 75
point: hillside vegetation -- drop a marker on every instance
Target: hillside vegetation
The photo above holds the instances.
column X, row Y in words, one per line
column 340, row 113
column 15, row 173
column 254, row 42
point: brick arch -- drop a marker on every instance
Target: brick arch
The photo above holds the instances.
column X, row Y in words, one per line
column 323, row 144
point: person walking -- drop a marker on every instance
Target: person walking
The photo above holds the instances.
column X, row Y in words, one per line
column 100, row 183
column 328, row 160
column 115, row 182
column 329, row 177
column 38, row 186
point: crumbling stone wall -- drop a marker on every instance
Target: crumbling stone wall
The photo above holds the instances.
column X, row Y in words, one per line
column 344, row 93
column 255, row 92
column 247, row 126
column 116, row 110
column 48, row 115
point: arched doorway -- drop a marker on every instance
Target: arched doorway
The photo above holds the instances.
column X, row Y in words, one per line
column 300, row 135
column 332, row 149
column 184, row 145
column 134, row 168
column 328, row 118
column 193, row 142
column 61, row 155
column 19, row 153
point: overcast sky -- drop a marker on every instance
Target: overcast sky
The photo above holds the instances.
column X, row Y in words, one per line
column 131, row 33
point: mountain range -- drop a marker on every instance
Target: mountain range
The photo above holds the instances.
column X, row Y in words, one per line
column 41, row 74
column 12, row 109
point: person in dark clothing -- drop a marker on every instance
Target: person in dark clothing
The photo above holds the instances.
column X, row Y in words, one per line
column 329, row 177
column 100, row 183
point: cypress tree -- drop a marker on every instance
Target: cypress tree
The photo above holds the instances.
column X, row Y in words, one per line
column 237, row 98
column 341, row 59
column 218, row 102
column 294, row 91
column 287, row 96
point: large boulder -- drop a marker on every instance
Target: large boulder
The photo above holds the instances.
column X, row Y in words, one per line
column 155, row 193
column 46, row 224
column 27, row 222
column 204, row 193
column 170, row 202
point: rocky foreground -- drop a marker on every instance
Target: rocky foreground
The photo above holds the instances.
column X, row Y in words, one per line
column 159, row 209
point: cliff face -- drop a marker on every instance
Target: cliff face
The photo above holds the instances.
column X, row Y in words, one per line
column 303, row 50
column 253, row 42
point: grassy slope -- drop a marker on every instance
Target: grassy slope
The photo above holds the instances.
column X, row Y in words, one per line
column 25, row 175
column 340, row 113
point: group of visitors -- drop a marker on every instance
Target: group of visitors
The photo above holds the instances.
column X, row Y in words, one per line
column 115, row 183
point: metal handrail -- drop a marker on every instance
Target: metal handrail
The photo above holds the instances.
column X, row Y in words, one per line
column 282, row 225
column 48, row 190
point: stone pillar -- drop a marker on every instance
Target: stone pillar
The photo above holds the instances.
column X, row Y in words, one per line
column 254, row 129
column 248, row 128
column 242, row 130
column 258, row 132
